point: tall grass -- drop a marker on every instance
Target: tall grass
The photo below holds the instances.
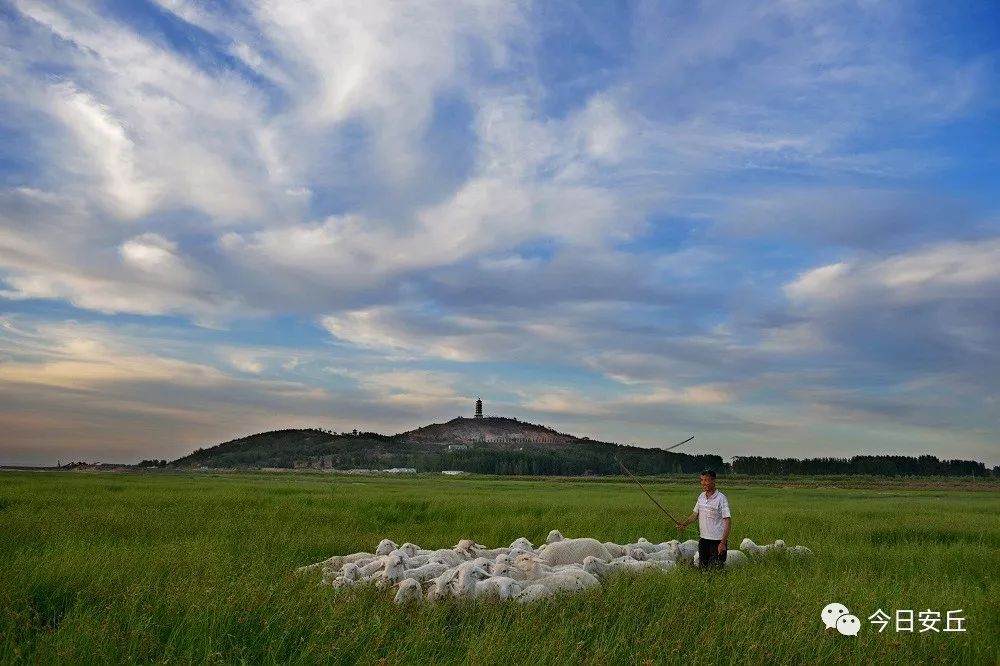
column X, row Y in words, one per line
column 107, row 568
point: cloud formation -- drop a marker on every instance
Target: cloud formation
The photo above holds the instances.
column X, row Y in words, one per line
column 758, row 222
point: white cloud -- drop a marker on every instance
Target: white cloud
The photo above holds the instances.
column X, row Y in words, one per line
column 245, row 362
column 930, row 274
column 103, row 143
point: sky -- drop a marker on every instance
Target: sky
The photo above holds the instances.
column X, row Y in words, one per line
column 774, row 226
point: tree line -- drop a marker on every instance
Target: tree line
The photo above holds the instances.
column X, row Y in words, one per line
column 925, row 465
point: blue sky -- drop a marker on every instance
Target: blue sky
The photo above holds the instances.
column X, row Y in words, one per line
column 770, row 225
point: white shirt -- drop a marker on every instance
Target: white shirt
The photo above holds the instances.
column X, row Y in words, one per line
column 711, row 511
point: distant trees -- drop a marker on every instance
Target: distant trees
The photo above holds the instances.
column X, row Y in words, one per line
column 925, row 465
column 153, row 463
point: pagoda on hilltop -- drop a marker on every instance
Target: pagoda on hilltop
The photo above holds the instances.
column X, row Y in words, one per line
column 479, row 408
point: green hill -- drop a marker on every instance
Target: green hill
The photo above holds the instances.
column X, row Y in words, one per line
column 491, row 445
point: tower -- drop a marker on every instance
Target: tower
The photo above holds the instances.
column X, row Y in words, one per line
column 479, row 408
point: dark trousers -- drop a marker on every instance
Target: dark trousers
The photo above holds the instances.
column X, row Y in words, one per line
column 708, row 554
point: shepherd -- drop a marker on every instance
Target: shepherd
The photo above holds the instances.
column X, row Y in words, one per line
column 714, row 521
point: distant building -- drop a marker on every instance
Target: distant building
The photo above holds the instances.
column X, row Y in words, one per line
column 458, row 447
column 401, row 470
column 479, row 408
column 453, row 472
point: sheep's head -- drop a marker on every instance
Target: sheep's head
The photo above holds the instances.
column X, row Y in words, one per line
column 349, row 575
column 410, row 549
column 468, row 575
column 442, row 585
column 467, row 548
column 385, row 546
column 409, row 592
column 672, row 550
column 522, row 544
column 554, row 535
column 508, row 570
column 508, row 588
column 528, row 564
column 394, row 567
column 779, row 545
column 591, row 564
column 637, row 554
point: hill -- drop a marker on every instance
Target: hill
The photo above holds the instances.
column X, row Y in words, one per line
column 494, row 432
column 491, row 445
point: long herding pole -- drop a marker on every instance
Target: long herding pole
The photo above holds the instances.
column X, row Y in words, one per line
column 622, row 465
column 679, row 443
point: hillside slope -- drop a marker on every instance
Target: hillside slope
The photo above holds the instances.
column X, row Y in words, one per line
column 495, row 432
column 484, row 446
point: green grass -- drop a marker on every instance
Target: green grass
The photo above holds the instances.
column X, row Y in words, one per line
column 106, row 568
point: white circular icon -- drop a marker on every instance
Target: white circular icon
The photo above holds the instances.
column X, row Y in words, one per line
column 832, row 613
column 849, row 625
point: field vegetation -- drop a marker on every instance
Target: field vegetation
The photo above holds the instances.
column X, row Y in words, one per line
column 189, row 567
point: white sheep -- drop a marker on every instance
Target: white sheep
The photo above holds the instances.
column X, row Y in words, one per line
column 349, row 576
column 531, row 567
column 644, row 545
column 514, row 552
column 501, row 587
column 335, row 563
column 372, row 568
column 568, row 580
column 534, row 593
column 446, row 556
column 415, row 561
column 396, row 570
column 492, row 552
column 596, row 567
column 409, row 592
column 570, row 551
column 440, row 587
column 637, row 553
column 503, row 558
column 469, row 574
column 777, row 547
column 687, row 551
column 671, row 552
column 734, row 558
column 468, row 549
column 519, row 572
column 507, row 570
column 385, row 546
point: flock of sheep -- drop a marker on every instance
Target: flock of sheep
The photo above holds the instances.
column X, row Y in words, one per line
column 520, row 571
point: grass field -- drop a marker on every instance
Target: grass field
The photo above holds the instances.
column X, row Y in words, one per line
column 166, row 568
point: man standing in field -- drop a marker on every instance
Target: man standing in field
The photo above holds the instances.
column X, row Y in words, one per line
column 714, row 520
